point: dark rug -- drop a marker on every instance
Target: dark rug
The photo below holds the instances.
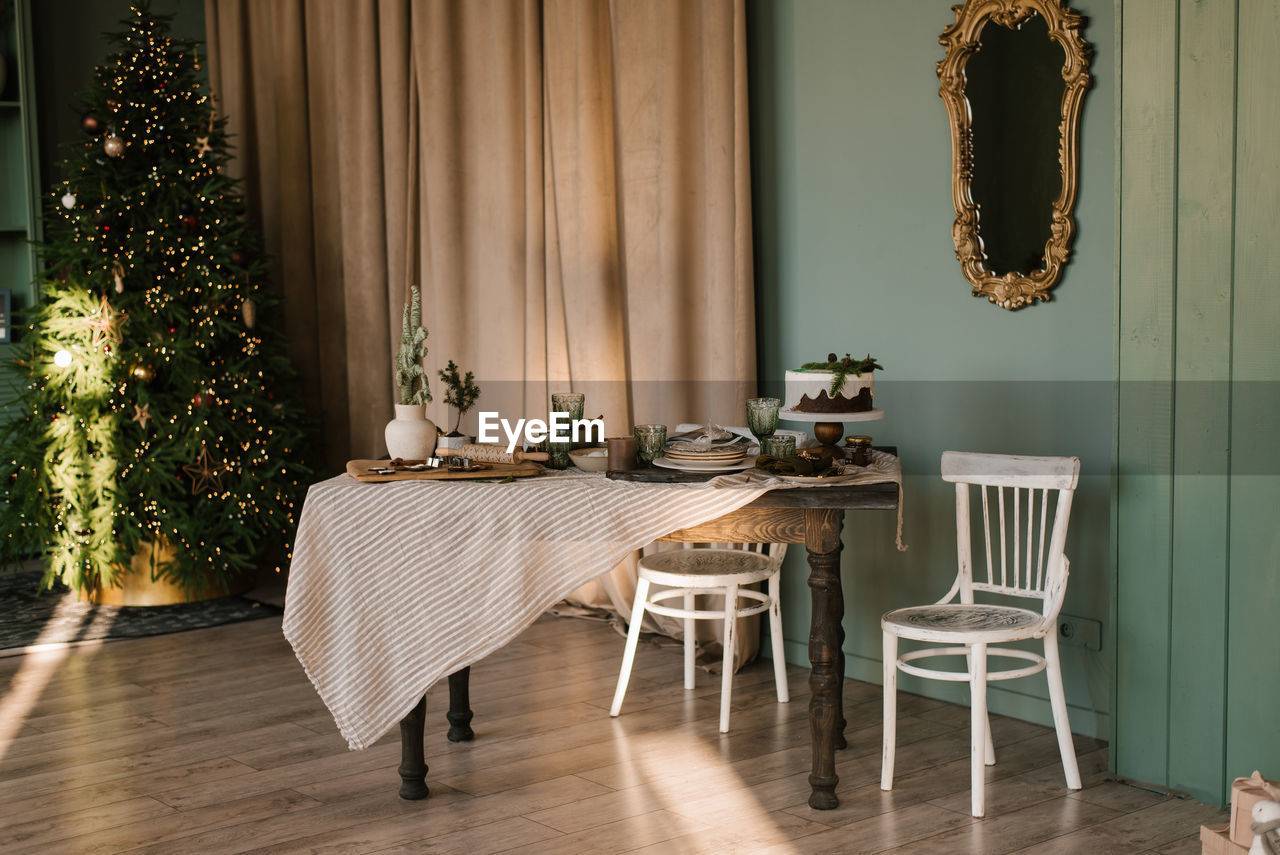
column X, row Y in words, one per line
column 30, row 616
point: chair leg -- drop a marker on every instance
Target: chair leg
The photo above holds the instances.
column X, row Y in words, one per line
column 690, row 643
column 978, row 727
column 890, row 728
column 633, row 638
column 775, row 637
column 730, row 642
column 991, row 746
column 1058, row 701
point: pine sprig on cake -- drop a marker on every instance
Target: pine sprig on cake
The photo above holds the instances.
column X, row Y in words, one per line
column 843, row 368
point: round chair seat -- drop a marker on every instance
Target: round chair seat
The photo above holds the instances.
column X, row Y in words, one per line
column 706, row 568
column 977, row 622
column 687, row 574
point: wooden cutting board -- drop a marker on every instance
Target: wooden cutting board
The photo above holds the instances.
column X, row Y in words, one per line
column 359, row 469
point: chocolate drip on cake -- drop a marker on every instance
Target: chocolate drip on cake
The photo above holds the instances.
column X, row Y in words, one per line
column 824, row 403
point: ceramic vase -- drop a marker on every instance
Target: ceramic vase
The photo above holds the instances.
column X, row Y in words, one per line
column 411, row 435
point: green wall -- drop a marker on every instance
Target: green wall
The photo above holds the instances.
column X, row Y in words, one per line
column 852, row 207
column 1198, row 548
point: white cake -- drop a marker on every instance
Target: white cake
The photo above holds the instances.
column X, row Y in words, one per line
column 810, row 392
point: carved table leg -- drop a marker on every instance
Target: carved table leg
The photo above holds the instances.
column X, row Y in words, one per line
column 841, row 724
column 413, row 764
column 459, row 714
column 822, row 540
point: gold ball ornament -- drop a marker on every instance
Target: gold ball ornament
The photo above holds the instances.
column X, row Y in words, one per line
column 113, row 146
column 142, row 372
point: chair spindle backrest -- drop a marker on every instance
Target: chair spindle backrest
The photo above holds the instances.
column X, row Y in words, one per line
column 1024, row 557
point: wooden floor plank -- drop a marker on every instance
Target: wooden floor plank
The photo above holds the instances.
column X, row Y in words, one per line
column 1149, row 828
column 891, row 831
column 214, row 741
column 388, row 823
column 1010, row 832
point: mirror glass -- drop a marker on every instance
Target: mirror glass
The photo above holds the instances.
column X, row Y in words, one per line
column 1013, row 80
column 1014, row 86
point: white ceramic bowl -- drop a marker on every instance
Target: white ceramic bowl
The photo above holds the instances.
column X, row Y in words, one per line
column 590, row 459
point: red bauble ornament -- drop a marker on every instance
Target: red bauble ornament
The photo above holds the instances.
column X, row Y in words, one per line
column 191, row 221
column 91, row 124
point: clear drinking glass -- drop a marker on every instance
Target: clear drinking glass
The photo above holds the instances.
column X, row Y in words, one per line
column 651, row 442
column 762, row 416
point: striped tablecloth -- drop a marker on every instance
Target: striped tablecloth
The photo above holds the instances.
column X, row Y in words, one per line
column 394, row 586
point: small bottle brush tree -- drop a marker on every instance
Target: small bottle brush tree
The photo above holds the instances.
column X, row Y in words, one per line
column 462, row 392
column 155, row 405
column 409, row 374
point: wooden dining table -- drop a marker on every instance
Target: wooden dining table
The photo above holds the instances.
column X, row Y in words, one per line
column 813, row 517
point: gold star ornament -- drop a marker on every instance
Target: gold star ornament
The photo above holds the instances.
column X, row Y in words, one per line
column 142, row 414
column 202, row 146
column 105, row 324
column 205, row 474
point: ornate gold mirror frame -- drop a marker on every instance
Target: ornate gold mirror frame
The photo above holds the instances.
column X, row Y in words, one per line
column 1012, row 290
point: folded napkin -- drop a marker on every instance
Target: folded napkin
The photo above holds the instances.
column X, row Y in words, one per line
column 709, row 437
column 815, row 462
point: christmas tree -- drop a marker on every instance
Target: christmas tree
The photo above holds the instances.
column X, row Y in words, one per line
column 156, row 405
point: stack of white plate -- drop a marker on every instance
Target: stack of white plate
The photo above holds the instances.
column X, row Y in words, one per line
column 685, row 456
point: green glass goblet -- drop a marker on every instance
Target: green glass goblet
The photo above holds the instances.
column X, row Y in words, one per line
column 572, row 404
column 762, row 416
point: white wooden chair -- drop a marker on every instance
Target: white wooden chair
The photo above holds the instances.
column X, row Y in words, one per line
column 718, row 570
column 1022, row 488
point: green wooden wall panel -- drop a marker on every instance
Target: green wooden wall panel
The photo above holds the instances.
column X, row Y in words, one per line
column 1253, row 687
column 1206, row 160
column 1196, row 688
column 1145, row 401
column 851, row 192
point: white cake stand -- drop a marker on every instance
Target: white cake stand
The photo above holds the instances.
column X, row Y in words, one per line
column 826, row 429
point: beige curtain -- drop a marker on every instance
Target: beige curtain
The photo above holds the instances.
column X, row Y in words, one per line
column 567, row 179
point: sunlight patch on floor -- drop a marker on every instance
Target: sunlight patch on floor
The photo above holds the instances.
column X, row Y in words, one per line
column 40, row 663
column 661, row 777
